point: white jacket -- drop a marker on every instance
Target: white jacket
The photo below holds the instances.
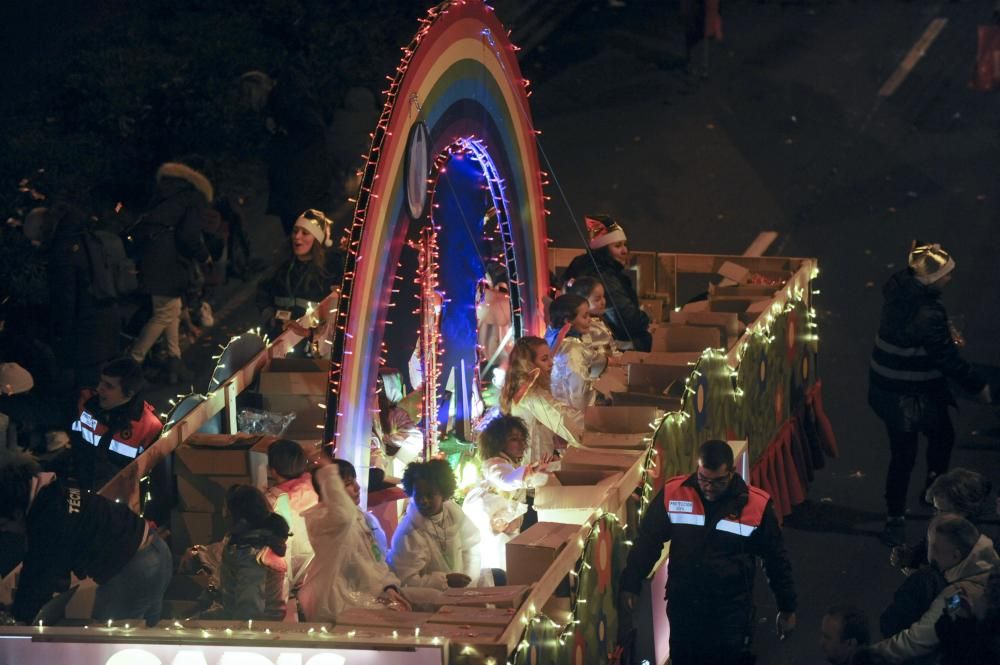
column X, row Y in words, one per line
column 970, row 575
column 498, row 500
column 424, row 550
column 545, row 417
column 575, row 367
column 349, row 569
column 291, row 499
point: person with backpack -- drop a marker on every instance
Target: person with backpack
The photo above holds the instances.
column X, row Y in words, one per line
column 88, row 272
column 171, row 248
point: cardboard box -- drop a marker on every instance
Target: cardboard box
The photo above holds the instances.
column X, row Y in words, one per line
column 205, row 494
column 728, row 323
column 654, row 308
column 384, row 618
column 462, row 632
column 741, row 291
column 531, row 552
column 656, row 379
column 646, row 399
column 574, row 504
column 498, row 596
column 299, row 386
column 574, row 458
column 608, row 440
column 678, row 358
column 620, row 420
column 216, row 454
column 476, row 616
column 672, row 337
column 187, row 529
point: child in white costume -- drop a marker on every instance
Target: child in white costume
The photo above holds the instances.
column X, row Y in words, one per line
column 599, row 337
column 349, row 569
column 498, row 504
column 436, row 546
column 577, row 364
column 526, row 395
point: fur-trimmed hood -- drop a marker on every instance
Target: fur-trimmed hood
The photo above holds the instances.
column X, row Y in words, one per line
column 188, row 174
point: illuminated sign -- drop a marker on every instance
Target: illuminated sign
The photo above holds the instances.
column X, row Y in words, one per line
column 25, row 651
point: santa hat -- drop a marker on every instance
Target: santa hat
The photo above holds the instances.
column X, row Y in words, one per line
column 603, row 231
column 317, row 224
column 929, row 263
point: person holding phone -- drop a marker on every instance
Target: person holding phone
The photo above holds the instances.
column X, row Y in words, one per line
column 967, row 559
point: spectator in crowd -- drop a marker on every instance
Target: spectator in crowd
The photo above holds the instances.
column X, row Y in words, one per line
column 959, row 491
column 499, row 504
column 957, row 549
column 86, row 323
column 349, row 569
column 717, row 526
column 842, row 633
column 436, row 546
column 115, row 425
column 300, row 173
column 526, row 394
column 171, row 249
column 310, row 274
column 290, row 496
column 916, row 353
column 72, row 530
column 606, row 260
column 252, row 574
column 967, row 639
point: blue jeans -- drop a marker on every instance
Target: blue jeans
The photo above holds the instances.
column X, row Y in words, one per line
column 137, row 590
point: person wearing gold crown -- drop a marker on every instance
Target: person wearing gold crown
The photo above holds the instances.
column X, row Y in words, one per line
column 915, row 355
column 314, row 269
column 606, row 260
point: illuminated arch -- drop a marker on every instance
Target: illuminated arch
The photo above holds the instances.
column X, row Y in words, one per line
column 460, row 78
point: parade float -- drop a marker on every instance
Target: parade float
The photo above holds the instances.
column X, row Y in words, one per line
column 450, row 215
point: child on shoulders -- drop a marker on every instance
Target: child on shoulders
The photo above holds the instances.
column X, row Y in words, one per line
column 436, row 546
column 526, row 394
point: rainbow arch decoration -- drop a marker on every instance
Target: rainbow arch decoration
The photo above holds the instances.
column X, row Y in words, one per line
column 458, row 82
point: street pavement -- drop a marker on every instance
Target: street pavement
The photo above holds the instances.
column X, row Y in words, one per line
column 789, row 134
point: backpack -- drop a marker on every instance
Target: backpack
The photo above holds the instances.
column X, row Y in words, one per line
column 112, row 273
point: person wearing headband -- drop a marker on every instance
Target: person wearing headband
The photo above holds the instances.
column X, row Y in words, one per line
column 314, row 269
column 916, row 355
column 606, row 261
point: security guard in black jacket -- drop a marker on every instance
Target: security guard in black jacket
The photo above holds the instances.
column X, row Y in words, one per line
column 916, row 353
column 716, row 525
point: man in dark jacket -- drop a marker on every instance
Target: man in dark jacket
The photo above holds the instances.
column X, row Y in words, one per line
column 71, row 530
column 607, row 261
column 170, row 246
column 916, row 352
column 114, row 427
column 716, row 525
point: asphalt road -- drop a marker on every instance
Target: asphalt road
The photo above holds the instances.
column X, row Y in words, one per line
column 789, row 133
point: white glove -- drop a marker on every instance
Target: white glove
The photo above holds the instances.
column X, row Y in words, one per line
column 984, row 395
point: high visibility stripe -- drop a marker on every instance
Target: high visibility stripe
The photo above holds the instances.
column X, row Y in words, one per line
column 905, row 375
column 123, row 448
column 687, row 518
column 735, row 527
column 907, row 351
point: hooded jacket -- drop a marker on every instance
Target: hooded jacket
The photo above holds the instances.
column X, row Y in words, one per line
column 349, row 569
column 168, row 237
column 914, row 356
column 425, row 549
column 252, row 574
column 626, row 319
column 969, row 575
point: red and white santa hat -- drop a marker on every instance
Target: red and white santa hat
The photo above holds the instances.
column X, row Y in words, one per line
column 603, row 231
column 317, row 224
